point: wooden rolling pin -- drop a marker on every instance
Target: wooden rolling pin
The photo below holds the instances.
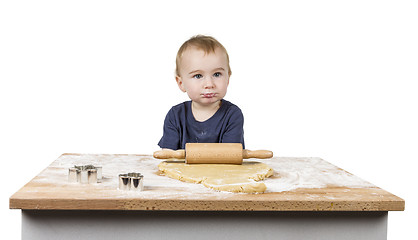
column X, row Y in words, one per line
column 222, row 153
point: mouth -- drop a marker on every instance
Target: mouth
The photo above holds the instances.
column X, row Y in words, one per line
column 209, row 95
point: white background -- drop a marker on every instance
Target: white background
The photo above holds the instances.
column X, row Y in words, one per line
column 329, row 79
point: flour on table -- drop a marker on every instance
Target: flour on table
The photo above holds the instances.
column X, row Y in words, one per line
column 289, row 173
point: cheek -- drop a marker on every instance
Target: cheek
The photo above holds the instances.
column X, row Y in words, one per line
column 223, row 83
column 192, row 88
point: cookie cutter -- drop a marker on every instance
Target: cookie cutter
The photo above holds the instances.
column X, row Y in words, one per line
column 85, row 174
column 131, row 181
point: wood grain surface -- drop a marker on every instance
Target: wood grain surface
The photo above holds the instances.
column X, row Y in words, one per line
column 51, row 190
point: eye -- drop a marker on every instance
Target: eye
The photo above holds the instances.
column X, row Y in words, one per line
column 197, row 76
column 217, row 74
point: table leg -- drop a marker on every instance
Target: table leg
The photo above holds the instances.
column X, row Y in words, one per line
column 51, row 224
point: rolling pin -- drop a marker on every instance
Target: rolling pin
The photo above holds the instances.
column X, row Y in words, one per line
column 221, row 153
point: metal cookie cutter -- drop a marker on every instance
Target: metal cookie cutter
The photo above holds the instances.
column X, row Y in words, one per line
column 85, row 174
column 131, row 181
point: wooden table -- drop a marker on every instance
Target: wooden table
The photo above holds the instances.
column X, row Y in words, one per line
column 305, row 198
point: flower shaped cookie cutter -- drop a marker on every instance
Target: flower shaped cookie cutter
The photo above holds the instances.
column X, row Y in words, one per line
column 85, row 174
column 131, row 181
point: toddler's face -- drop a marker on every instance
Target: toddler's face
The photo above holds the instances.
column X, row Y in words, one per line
column 203, row 76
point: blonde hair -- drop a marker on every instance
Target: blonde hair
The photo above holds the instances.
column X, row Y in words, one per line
column 206, row 43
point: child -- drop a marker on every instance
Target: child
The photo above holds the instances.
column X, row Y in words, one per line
column 202, row 71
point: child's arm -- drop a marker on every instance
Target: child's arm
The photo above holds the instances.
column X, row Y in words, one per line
column 234, row 132
column 171, row 133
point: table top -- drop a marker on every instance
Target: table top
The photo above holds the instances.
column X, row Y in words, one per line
column 298, row 184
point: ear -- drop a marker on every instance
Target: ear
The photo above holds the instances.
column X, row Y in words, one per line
column 180, row 83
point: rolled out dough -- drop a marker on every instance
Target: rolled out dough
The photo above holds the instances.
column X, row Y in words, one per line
column 221, row 177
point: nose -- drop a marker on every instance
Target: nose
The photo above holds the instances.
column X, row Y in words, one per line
column 209, row 83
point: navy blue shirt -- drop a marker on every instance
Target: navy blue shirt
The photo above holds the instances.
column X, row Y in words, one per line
column 180, row 126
